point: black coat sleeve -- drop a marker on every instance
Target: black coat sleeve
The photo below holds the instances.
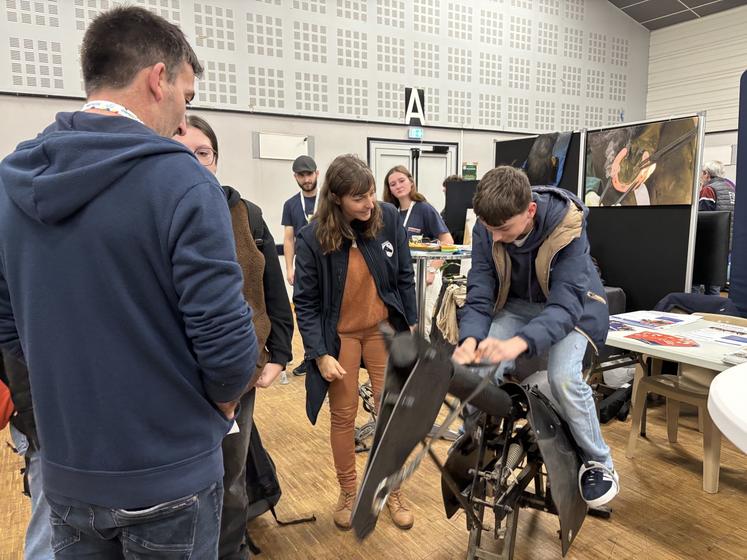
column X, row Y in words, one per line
column 307, row 297
column 277, row 304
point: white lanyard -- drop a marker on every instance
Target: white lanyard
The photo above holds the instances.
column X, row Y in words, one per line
column 111, row 107
column 303, row 207
column 407, row 216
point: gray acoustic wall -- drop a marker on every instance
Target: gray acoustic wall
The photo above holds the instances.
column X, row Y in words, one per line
column 528, row 65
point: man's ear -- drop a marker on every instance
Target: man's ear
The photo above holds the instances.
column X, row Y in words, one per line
column 532, row 209
column 157, row 79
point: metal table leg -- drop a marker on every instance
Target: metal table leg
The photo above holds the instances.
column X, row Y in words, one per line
column 421, row 269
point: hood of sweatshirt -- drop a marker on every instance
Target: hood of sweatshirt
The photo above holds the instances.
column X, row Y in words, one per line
column 88, row 150
column 232, row 196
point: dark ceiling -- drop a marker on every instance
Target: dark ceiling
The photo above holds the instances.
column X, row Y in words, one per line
column 655, row 14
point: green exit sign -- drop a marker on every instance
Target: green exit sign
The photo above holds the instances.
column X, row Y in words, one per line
column 415, row 133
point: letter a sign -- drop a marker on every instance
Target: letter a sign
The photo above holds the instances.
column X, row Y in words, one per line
column 414, row 107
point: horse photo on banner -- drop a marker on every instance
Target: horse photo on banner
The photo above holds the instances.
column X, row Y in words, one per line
column 642, row 164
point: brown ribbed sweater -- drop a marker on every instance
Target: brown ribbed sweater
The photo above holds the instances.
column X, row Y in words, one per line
column 361, row 305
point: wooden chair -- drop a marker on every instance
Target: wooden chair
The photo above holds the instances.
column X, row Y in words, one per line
column 690, row 385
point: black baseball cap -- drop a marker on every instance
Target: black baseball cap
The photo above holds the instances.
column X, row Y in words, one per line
column 304, row 164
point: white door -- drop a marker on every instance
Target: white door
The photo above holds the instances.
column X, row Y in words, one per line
column 429, row 170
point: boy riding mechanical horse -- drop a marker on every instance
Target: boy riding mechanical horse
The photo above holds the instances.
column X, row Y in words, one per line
column 533, row 290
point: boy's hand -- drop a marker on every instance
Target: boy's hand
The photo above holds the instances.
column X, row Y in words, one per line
column 465, row 352
column 492, row 350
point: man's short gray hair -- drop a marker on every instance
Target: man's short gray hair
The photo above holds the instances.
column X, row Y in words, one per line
column 714, row 168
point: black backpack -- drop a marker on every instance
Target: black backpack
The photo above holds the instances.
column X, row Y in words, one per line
column 262, row 486
column 255, row 222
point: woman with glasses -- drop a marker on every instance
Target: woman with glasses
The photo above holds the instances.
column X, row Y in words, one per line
column 353, row 271
column 264, row 290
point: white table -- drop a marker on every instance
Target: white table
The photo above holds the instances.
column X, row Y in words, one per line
column 726, row 404
column 707, row 355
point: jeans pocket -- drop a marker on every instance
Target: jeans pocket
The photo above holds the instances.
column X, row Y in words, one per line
column 164, row 528
column 63, row 535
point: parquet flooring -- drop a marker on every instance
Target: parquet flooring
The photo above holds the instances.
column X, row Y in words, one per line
column 661, row 512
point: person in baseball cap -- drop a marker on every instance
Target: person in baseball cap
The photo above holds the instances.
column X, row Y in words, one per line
column 297, row 212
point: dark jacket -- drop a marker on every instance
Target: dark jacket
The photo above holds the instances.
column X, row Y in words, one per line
column 119, row 284
column 552, row 266
column 276, row 297
column 719, row 193
column 320, row 282
column 15, row 375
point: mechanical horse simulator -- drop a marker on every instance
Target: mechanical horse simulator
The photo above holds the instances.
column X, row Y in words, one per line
column 515, row 452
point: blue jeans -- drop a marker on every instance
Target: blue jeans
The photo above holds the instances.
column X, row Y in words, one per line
column 565, row 376
column 39, row 531
column 179, row 529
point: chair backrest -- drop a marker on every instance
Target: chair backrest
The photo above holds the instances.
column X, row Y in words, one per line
column 729, row 319
column 712, row 248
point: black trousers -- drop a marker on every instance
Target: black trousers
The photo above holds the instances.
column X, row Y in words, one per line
column 232, row 544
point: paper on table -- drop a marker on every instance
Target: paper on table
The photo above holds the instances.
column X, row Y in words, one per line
column 654, row 319
column 722, row 334
column 735, row 358
column 658, row 338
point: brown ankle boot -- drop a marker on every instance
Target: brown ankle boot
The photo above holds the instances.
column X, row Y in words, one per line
column 401, row 514
column 344, row 510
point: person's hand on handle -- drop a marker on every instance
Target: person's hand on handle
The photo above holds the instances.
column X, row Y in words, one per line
column 269, row 374
column 492, row 350
column 330, row 368
column 465, row 353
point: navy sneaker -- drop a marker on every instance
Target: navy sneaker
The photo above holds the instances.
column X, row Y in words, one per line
column 598, row 484
column 300, row 370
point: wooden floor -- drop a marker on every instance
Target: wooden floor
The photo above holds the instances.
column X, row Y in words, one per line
column 661, row 512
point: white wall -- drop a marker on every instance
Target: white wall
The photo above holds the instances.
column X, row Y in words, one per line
column 264, row 181
column 522, row 65
column 696, row 65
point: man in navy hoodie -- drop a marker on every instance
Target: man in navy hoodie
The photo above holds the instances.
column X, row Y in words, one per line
column 533, row 290
column 119, row 287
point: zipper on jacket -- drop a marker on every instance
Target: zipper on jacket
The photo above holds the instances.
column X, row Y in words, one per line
column 596, row 297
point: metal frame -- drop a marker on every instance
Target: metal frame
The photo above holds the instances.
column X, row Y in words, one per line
column 701, row 116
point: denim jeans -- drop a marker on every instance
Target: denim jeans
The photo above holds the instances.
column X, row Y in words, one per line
column 179, row 529
column 235, row 498
column 565, row 376
column 39, row 531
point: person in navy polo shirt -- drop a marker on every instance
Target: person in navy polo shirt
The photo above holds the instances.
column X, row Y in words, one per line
column 297, row 212
column 418, row 218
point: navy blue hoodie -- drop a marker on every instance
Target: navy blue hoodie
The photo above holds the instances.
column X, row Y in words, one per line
column 119, row 284
column 576, row 298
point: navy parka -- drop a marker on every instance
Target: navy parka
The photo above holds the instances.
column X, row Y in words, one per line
column 319, row 286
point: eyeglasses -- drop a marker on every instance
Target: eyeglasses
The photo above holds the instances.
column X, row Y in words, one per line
column 206, row 156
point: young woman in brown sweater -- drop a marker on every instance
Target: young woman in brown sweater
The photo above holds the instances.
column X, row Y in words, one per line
column 353, row 271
